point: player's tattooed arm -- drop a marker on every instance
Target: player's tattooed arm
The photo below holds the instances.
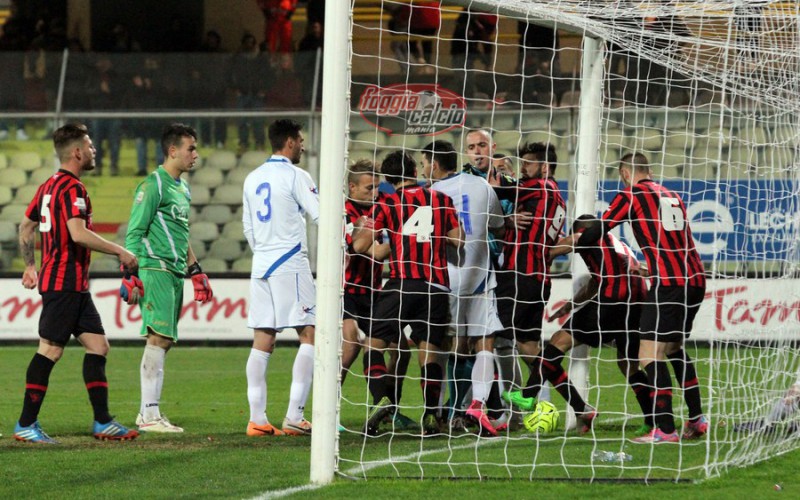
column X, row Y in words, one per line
column 27, row 239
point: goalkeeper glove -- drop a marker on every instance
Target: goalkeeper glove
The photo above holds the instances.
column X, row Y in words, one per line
column 202, row 288
column 132, row 288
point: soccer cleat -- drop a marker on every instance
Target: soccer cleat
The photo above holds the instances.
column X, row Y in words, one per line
column 161, row 424
column 696, row 429
column 643, row 430
column 586, row 419
column 458, row 425
column 403, row 423
column 379, row 411
column 517, row 399
column 430, row 426
column 301, row 428
column 255, row 430
column 32, row 434
column 657, row 436
column 113, row 431
column 477, row 413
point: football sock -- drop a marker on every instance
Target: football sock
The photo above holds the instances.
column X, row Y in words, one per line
column 256, row 371
column 431, row 383
column 658, row 374
column 642, row 389
column 36, row 380
column 152, row 379
column 375, row 371
column 394, row 382
column 508, row 367
column 302, row 374
column 686, row 376
column 494, row 404
column 555, row 374
column 463, row 376
column 482, row 375
column 94, row 375
column 534, row 383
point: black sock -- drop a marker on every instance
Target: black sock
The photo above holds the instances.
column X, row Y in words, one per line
column 642, row 389
column 659, row 377
column 36, row 380
column 534, row 383
column 431, row 383
column 555, row 374
column 394, row 384
column 493, row 403
column 686, row 376
column 94, row 374
column 375, row 370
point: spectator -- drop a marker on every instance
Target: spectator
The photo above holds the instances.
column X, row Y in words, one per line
column 306, row 60
column 473, row 40
column 12, row 83
column 210, row 87
column 180, row 37
column 314, row 37
column 105, row 91
column 417, row 19
column 278, row 29
column 248, row 75
column 315, row 11
column 145, row 93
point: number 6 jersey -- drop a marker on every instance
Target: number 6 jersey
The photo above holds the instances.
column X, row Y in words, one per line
column 276, row 197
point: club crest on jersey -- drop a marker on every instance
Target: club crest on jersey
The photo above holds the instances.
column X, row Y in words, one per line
column 314, row 190
column 139, row 197
column 412, row 109
column 80, row 203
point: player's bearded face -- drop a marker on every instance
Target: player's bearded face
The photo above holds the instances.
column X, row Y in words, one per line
column 531, row 169
column 297, row 149
column 87, row 155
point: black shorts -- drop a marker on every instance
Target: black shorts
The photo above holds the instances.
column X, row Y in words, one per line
column 359, row 307
column 606, row 323
column 520, row 305
column 65, row 314
column 669, row 311
column 413, row 303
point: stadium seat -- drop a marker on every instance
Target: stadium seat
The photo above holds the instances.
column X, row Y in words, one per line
column 233, row 230
column 218, row 214
column 220, row 160
column 13, row 178
column 364, row 154
column 679, row 139
column 40, row 175
column 779, row 158
column 370, row 138
column 788, row 135
column 613, row 138
column 644, row 139
column 13, row 213
column 674, row 157
column 198, row 247
column 242, row 265
column 225, row 249
column 407, row 141
column 8, row 232
column 237, row 214
column 3, row 161
column 215, row 266
column 102, row 263
column 252, row 159
column 508, row 140
column 25, row 194
column 544, row 137
column 5, row 195
column 200, row 195
column 237, row 176
column 228, row 195
column 208, row 177
column 204, row 231
column 26, row 161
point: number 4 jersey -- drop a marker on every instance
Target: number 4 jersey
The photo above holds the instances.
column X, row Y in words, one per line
column 277, row 196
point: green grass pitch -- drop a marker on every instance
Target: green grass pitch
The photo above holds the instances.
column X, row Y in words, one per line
column 205, row 392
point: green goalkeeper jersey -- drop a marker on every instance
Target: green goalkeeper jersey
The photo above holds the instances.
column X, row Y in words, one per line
column 158, row 230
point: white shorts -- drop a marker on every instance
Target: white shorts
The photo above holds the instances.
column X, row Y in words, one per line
column 474, row 315
column 282, row 301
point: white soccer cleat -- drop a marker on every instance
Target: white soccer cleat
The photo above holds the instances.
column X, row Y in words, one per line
column 160, row 424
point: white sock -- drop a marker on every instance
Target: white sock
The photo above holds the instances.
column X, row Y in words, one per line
column 152, row 379
column 257, row 385
column 482, row 375
column 302, row 373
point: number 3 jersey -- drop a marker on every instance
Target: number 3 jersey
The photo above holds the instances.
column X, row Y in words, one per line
column 479, row 209
column 658, row 218
column 277, row 196
column 418, row 221
column 65, row 264
column 158, row 230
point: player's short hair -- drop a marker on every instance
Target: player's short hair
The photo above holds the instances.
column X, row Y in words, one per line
column 443, row 152
column 173, row 135
column 65, row 137
column 637, row 162
column 281, row 130
column 585, row 221
column 485, row 131
column 359, row 168
column 398, row 167
column 541, row 152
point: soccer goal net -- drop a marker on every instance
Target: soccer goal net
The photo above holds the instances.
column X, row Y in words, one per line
column 708, row 93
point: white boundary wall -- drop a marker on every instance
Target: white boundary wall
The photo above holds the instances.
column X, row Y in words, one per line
column 733, row 310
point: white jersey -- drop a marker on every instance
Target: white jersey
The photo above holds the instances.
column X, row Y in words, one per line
column 479, row 209
column 277, row 196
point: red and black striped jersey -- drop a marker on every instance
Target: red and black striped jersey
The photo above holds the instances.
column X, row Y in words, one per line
column 658, row 218
column 65, row 264
column 614, row 267
column 527, row 251
column 418, row 221
column 362, row 275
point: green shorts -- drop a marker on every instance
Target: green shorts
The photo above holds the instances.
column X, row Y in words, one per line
column 162, row 303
